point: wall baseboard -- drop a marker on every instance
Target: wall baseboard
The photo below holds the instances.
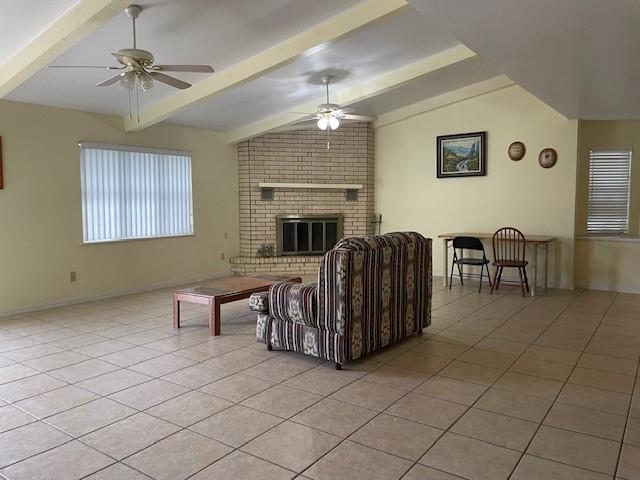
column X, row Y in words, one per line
column 118, row 293
column 605, row 287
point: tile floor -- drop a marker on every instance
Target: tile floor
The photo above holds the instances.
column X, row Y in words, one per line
column 498, row 387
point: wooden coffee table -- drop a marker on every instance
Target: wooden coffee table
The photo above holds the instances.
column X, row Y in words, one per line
column 223, row 290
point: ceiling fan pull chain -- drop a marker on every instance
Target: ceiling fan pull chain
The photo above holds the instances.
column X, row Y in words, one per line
column 137, row 101
column 130, row 114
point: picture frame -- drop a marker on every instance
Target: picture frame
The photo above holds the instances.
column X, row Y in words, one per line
column 461, row 155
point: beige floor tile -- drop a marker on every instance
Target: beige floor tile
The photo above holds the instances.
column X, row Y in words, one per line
column 587, row 421
column 90, row 416
column 237, row 387
column 28, row 387
column 103, row 348
column 420, row 472
column 159, row 366
column 72, row 460
column 292, row 445
column 113, row 382
column 421, row 362
column 502, row 346
column 369, row 395
column 282, row 401
column 30, row 353
column 595, row 398
column 575, row 449
column 189, row 408
column 471, row 458
column 321, row 380
column 487, row 358
column 611, row 350
column 117, row 471
column 196, row 376
column 56, row 401
column 529, row 385
column 204, row 351
column 635, row 406
column 629, row 467
column 608, row 364
column 556, row 355
column 440, row 349
column 278, row 369
column 333, row 416
column 23, row 442
column 451, row 390
column 357, row 462
column 11, row 417
column 242, row 466
column 236, row 360
column 179, row 456
column 15, row 372
column 78, row 340
column 83, row 370
column 237, row 425
column 397, row 377
column 534, row 468
column 468, row 372
column 575, row 344
column 129, row 435
column 149, row 394
column 498, row 429
column 541, row 368
column 428, row 410
column 131, row 356
column 632, row 434
column 608, row 381
column 404, row 438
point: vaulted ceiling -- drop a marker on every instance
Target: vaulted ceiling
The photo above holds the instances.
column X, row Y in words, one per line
column 270, row 54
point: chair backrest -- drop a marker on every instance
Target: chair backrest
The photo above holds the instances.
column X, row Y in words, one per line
column 509, row 244
column 468, row 243
column 375, row 290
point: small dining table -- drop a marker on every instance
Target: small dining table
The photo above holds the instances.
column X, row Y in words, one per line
column 533, row 242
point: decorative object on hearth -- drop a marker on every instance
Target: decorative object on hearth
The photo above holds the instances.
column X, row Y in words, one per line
column 516, row 151
column 266, row 250
column 1, row 172
column 548, row 158
column 461, row 155
column 137, row 70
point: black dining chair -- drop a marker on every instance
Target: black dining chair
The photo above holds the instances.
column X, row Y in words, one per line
column 469, row 243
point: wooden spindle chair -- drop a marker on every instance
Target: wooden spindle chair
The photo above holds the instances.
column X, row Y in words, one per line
column 509, row 247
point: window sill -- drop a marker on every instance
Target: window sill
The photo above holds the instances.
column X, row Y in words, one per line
column 140, row 239
column 610, row 238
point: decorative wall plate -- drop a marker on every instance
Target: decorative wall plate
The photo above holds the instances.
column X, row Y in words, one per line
column 548, row 157
column 516, row 151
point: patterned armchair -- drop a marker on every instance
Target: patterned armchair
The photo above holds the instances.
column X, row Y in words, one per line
column 372, row 291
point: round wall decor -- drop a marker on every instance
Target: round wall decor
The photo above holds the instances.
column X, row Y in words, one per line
column 548, row 157
column 517, row 151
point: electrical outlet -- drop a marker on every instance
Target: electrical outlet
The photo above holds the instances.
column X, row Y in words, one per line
column 222, row 256
column 73, row 277
column 226, row 235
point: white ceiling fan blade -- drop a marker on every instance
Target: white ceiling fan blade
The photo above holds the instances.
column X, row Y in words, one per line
column 174, row 82
column 359, row 118
column 184, row 68
column 344, row 111
column 110, row 81
column 87, row 66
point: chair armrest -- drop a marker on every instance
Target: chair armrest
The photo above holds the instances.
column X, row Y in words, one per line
column 259, row 302
column 294, row 302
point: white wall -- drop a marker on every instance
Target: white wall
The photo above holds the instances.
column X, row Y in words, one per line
column 40, row 210
column 520, row 194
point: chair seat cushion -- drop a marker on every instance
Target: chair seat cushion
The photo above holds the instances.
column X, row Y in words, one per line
column 471, row 261
column 510, row 263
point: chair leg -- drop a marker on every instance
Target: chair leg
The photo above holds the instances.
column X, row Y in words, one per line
column 480, row 287
column 453, row 262
column 488, row 275
column 526, row 280
column 497, row 283
column 338, row 366
column 460, row 274
column 495, row 279
column 521, row 282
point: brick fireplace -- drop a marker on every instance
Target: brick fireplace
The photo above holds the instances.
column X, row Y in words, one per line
column 293, row 175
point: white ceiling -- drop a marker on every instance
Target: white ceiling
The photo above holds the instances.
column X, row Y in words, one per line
column 23, row 20
column 582, row 57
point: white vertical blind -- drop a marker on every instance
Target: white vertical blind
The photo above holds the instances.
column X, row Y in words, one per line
column 134, row 194
column 609, row 176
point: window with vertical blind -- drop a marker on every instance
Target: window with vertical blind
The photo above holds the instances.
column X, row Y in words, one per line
column 130, row 193
column 609, row 179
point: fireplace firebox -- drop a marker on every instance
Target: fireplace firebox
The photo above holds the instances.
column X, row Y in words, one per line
column 307, row 234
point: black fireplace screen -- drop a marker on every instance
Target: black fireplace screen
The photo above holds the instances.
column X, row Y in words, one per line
column 308, row 234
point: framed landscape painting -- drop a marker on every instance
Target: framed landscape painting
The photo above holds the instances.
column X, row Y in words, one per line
column 462, row 155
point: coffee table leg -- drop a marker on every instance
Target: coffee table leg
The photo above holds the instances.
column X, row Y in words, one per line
column 176, row 312
column 214, row 317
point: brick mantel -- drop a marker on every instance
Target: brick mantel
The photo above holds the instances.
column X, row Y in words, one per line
column 299, row 157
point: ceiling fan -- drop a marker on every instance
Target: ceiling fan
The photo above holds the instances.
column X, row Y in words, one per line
column 137, row 68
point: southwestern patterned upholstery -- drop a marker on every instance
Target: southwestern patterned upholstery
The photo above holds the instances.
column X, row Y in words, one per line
column 372, row 291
